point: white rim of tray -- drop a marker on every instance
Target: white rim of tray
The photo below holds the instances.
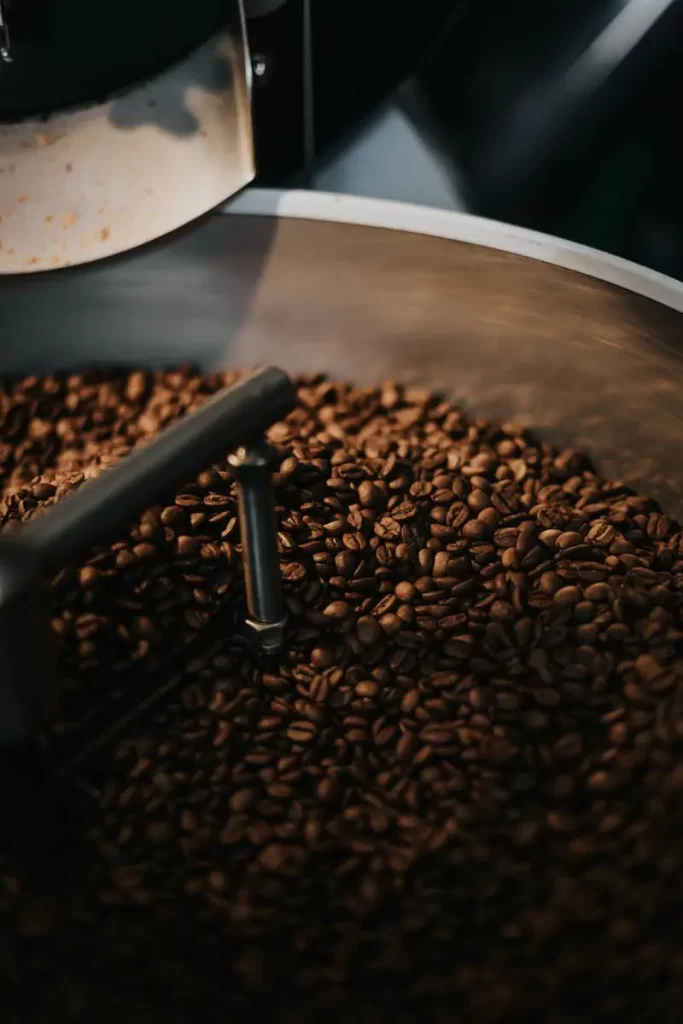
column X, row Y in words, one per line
column 459, row 227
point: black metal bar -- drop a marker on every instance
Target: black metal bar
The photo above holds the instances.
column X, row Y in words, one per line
column 26, row 661
column 98, row 510
column 263, row 579
column 264, row 626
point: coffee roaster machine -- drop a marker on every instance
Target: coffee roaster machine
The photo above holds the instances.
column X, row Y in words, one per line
column 584, row 347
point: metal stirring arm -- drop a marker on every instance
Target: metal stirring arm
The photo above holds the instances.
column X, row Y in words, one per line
column 234, row 419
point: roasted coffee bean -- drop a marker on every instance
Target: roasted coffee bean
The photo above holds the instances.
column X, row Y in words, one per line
column 337, row 611
column 567, row 596
column 368, row 631
column 405, row 591
column 467, row 755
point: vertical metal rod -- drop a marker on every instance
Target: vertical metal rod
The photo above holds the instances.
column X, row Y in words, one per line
column 265, row 623
column 309, row 93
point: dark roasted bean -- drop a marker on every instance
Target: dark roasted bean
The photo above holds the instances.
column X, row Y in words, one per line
column 368, row 631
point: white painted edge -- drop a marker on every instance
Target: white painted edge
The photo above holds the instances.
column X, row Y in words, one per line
column 459, row 227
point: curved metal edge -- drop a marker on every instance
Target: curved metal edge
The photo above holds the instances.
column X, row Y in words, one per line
column 460, row 227
column 99, row 181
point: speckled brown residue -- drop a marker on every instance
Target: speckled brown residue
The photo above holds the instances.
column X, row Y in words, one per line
column 70, row 219
column 49, row 218
column 32, row 261
column 105, row 233
column 69, row 167
column 22, row 199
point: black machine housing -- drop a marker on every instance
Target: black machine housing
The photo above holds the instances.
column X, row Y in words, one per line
column 324, row 65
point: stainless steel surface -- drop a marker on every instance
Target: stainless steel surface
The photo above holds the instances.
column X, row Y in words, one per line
column 584, row 362
column 253, row 467
column 101, row 180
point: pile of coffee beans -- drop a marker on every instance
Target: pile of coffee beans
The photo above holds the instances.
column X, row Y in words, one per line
column 457, row 796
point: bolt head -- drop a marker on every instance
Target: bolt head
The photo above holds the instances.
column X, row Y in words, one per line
column 253, row 456
column 259, row 65
column 266, row 637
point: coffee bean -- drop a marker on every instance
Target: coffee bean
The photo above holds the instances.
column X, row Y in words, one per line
column 144, row 551
column 369, row 495
column 567, row 596
column 536, row 721
column 242, row 800
column 506, row 538
column 648, row 668
column 367, row 689
column 186, row 546
column 337, row 611
column 568, row 540
column 407, row 746
column 410, row 701
column 87, row 576
column 568, row 747
column 301, row 732
column 322, row 658
column 549, row 583
column 368, row 631
column 390, row 624
column 478, row 500
column 587, row 633
column 405, row 591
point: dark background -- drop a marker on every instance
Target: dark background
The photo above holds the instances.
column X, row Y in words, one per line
column 519, row 99
column 543, row 136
